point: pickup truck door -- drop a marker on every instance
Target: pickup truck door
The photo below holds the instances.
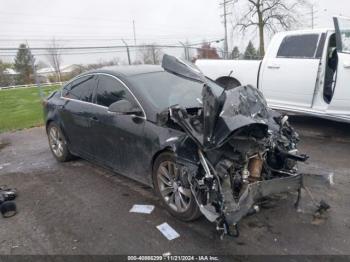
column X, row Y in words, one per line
column 289, row 71
column 340, row 104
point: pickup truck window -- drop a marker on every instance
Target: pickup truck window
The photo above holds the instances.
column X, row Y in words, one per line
column 344, row 30
column 298, row 46
column 320, row 47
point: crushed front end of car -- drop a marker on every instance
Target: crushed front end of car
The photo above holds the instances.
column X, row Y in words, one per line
column 245, row 151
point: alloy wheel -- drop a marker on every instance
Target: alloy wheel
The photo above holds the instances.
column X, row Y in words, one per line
column 172, row 188
column 56, row 141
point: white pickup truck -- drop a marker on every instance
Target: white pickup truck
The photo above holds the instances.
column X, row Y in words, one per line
column 305, row 72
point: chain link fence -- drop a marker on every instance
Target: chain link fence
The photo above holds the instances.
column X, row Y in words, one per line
column 54, row 65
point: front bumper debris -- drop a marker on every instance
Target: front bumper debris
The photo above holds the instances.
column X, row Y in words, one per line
column 235, row 211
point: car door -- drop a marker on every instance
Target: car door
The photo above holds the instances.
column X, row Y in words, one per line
column 289, row 72
column 78, row 112
column 118, row 140
column 340, row 104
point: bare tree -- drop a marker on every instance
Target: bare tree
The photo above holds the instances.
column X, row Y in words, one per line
column 41, row 64
column 54, row 57
column 150, row 54
column 269, row 15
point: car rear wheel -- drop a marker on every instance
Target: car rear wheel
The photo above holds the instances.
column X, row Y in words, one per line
column 58, row 143
column 173, row 189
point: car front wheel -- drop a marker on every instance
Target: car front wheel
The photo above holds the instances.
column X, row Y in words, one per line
column 172, row 186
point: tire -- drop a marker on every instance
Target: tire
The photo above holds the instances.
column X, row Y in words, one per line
column 228, row 83
column 58, row 143
column 172, row 189
column 8, row 209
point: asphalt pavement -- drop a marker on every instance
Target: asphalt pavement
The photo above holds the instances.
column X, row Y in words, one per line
column 80, row 208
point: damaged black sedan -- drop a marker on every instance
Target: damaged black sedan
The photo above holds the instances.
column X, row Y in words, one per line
column 204, row 149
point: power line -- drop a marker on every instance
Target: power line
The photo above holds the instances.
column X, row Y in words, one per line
column 41, row 38
column 76, row 37
column 94, row 50
column 89, row 19
column 89, row 47
column 78, row 26
column 10, row 51
column 73, row 53
column 95, row 44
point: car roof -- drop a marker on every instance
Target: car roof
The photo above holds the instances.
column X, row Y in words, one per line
column 129, row 70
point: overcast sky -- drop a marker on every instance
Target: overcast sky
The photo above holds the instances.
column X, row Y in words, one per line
column 103, row 22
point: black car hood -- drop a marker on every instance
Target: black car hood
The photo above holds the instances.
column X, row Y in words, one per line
column 224, row 112
column 242, row 106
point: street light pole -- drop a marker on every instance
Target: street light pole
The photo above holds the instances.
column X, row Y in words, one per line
column 127, row 50
column 134, row 31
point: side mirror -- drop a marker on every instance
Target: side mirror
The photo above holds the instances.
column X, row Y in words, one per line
column 124, row 107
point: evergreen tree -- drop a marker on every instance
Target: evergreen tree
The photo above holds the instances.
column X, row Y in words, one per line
column 5, row 79
column 250, row 52
column 235, row 53
column 23, row 65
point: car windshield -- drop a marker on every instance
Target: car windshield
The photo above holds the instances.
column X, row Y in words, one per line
column 164, row 89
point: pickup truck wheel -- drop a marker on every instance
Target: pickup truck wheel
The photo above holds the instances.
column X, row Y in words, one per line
column 228, row 83
column 173, row 189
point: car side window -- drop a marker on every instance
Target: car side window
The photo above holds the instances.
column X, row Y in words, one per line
column 298, row 46
column 81, row 88
column 65, row 90
column 110, row 90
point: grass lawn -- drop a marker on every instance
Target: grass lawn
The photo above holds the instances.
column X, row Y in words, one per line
column 21, row 108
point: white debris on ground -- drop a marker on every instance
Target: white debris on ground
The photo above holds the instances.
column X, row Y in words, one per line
column 4, row 165
column 168, row 231
column 164, row 228
column 331, row 178
column 144, row 209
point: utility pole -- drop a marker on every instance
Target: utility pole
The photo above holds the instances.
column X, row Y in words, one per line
column 224, row 5
column 312, row 17
column 133, row 27
column 313, row 11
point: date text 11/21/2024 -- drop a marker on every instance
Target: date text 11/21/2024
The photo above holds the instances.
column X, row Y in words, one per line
column 173, row 258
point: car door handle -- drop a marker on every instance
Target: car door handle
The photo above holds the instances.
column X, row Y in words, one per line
column 94, row 118
column 273, row 66
column 346, row 64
